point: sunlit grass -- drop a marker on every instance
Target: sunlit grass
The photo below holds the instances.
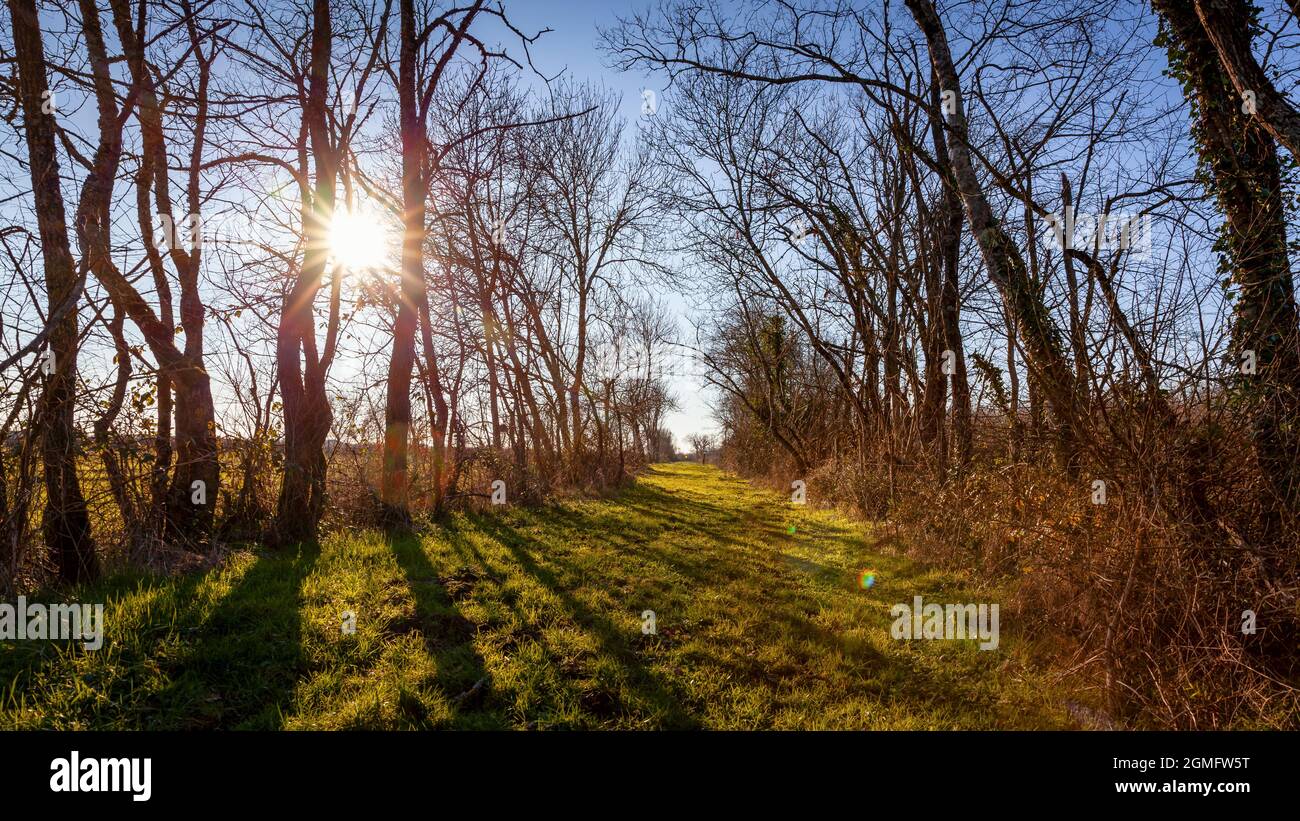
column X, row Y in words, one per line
column 541, row 609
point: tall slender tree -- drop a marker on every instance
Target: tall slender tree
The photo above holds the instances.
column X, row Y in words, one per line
column 65, row 523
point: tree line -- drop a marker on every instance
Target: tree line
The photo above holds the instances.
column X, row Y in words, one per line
column 187, row 167
column 1017, row 281
column 1013, row 279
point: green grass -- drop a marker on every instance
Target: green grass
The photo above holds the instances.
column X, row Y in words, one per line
column 757, row 627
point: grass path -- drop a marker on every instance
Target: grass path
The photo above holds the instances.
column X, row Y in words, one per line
column 532, row 619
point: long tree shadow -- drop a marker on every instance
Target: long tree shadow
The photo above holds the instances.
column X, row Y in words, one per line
column 448, row 636
column 750, row 559
column 246, row 658
column 718, row 569
column 613, row 644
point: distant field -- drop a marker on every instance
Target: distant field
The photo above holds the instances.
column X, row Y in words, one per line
column 533, row 619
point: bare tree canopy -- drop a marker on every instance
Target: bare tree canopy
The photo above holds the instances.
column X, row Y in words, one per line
column 1015, row 282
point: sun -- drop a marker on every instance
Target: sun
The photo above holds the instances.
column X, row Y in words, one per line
column 359, row 239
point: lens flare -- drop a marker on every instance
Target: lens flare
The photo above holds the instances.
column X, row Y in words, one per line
column 866, row 579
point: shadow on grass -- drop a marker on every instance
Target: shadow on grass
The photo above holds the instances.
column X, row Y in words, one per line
column 448, row 636
column 744, row 576
column 244, row 661
column 646, row 689
column 744, row 569
column 237, row 662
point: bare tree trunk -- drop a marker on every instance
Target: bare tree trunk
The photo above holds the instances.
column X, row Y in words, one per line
column 412, row 106
column 192, row 497
column 951, row 218
column 1227, row 24
column 440, row 418
column 1242, row 159
column 117, row 482
column 65, row 522
column 961, row 411
column 397, row 406
column 1006, row 267
column 152, row 178
column 307, row 414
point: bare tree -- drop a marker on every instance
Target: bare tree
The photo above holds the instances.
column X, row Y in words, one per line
column 701, row 443
column 66, row 524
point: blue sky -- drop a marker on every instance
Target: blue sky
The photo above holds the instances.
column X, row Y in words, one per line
column 571, row 46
